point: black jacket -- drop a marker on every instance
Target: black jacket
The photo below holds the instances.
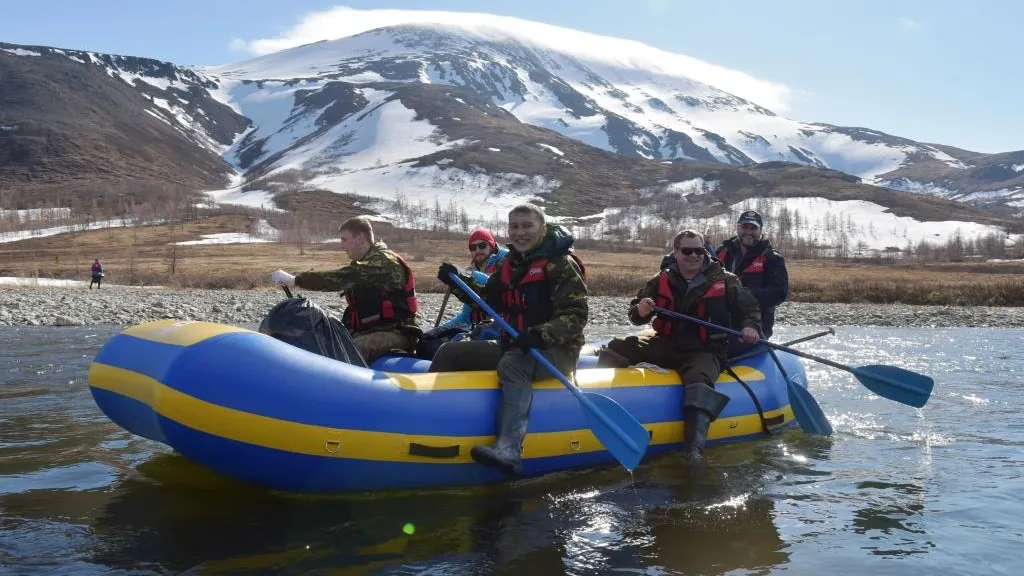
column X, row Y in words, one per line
column 770, row 286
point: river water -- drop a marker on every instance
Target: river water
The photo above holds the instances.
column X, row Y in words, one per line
column 896, row 490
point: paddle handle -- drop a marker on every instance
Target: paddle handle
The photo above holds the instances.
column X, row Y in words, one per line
column 540, row 358
column 444, row 304
column 792, row 351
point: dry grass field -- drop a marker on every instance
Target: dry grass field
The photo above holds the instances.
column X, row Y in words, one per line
column 145, row 256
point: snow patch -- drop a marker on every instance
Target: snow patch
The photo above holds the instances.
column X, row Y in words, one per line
column 1017, row 167
column 552, row 149
column 15, row 236
column 20, row 52
column 18, row 281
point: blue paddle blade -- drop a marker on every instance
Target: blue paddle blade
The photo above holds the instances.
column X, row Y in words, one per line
column 807, row 411
column 622, row 434
column 897, row 384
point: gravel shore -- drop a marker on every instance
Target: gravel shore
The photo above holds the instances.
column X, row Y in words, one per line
column 76, row 306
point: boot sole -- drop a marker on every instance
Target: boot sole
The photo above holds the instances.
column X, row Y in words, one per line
column 487, row 459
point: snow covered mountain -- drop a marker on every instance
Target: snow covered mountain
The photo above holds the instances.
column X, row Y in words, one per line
column 636, row 101
column 473, row 118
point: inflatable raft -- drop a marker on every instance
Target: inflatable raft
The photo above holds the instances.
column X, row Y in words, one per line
column 255, row 408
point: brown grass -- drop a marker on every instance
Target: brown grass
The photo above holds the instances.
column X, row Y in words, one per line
column 143, row 256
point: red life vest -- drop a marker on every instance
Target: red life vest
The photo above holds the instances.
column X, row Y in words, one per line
column 527, row 302
column 371, row 305
column 710, row 307
column 756, row 266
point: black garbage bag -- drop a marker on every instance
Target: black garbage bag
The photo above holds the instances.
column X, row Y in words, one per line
column 304, row 324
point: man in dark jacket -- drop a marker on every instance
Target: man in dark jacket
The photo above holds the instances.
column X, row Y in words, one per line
column 539, row 290
column 698, row 286
column 760, row 267
column 379, row 288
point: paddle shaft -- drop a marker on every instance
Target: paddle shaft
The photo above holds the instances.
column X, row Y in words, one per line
column 829, row 332
column 736, row 333
column 546, row 363
column 444, row 304
column 758, row 352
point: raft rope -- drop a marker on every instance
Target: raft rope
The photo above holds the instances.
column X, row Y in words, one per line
column 757, row 403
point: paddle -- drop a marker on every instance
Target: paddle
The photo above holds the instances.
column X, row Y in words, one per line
column 890, row 382
column 758, row 351
column 830, row 332
column 444, row 304
column 622, row 434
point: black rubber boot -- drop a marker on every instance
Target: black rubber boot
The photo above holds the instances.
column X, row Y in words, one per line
column 696, row 435
column 506, row 453
column 701, row 407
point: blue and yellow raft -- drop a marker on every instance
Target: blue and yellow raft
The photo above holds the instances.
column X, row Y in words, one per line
column 257, row 409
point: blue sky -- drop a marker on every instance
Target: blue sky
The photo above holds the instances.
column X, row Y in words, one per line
column 935, row 71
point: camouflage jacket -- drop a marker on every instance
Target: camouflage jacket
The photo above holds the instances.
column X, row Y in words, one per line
column 567, row 287
column 743, row 308
column 378, row 267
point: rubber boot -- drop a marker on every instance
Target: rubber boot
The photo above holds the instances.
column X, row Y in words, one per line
column 506, row 453
column 701, row 406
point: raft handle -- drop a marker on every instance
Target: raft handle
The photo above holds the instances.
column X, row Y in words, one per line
column 433, row 451
column 332, row 446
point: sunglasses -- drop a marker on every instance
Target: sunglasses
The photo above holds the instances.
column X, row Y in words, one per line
column 479, row 246
column 690, row 251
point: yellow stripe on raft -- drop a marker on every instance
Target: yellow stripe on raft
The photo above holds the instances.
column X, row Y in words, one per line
column 589, row 379
column 363, row 445
column 180, row 332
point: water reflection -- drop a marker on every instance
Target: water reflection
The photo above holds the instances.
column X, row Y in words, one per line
column 710, row 521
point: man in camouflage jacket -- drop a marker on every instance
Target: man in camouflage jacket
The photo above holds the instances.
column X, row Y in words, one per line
column 375, row 276
column 540, row 291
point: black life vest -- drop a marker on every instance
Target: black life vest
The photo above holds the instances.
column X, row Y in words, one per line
column 371, row 305
column 526, row 301
column 710, row 307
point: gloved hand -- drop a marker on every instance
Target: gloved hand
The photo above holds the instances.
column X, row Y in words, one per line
column 283, row 278
column 447, row 268
column 529, row 339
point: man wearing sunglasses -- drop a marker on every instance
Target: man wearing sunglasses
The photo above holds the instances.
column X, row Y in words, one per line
column 760, row 267
column 484, row 258
column 696, row 285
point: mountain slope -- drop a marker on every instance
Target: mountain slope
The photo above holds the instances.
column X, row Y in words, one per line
column 70, row 120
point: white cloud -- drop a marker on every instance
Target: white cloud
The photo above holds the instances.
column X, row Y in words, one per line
column 906, row 23
column 238, row 45
column 342, row 21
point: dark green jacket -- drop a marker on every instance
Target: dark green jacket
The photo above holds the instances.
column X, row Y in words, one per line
column 378, row 267
column 742, row 305
column 567, row 287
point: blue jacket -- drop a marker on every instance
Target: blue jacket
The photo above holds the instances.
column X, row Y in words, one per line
column 463, row 319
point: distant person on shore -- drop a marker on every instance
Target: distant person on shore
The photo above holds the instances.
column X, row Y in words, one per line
column 378, row 286
column 695, row 285
column 760, row 267
column 485, row 255
column 97, row 274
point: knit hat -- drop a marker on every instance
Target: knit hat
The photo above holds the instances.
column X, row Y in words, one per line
column 482, row 234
